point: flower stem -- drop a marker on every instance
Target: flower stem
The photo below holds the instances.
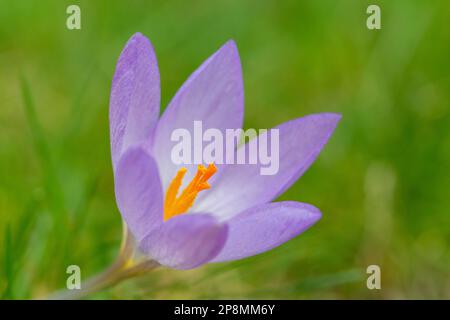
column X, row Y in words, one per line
column 116, row 273
column 127, row 265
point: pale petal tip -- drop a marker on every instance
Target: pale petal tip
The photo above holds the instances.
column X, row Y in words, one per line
column 138, row 39
column 332, row 116
column 138, row 36
column 231, row 44
column 311, row 213
column 314, row 213
column 334, row 119
column 230, row 48
column 326, row 120
column 336, row 116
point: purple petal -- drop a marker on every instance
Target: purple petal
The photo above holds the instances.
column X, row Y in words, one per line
column 241, row 186
column 135, row 96
column 213, row 94
column 138, row 192
column 185, row 241
column 265, row 227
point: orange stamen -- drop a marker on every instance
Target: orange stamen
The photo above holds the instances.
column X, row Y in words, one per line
column 174, row 205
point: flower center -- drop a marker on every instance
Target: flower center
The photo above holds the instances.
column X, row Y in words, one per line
column 174, row 205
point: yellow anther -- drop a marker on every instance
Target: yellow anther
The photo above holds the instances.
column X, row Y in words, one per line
column 174, row 205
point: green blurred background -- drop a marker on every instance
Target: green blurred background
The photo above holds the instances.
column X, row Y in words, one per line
column 382, row 182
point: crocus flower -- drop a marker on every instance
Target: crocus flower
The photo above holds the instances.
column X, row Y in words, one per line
column 185, row 216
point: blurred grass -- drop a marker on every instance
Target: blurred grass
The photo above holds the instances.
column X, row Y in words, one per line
column 382, row 182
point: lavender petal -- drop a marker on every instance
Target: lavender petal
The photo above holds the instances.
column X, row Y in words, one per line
column 135, row 96
column 242, row 186
column 265, row 227
column 138, row 192
column 214, row 95
column 185, row 241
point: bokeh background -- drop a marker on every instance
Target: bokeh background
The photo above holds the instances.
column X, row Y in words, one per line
column 382, row 182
